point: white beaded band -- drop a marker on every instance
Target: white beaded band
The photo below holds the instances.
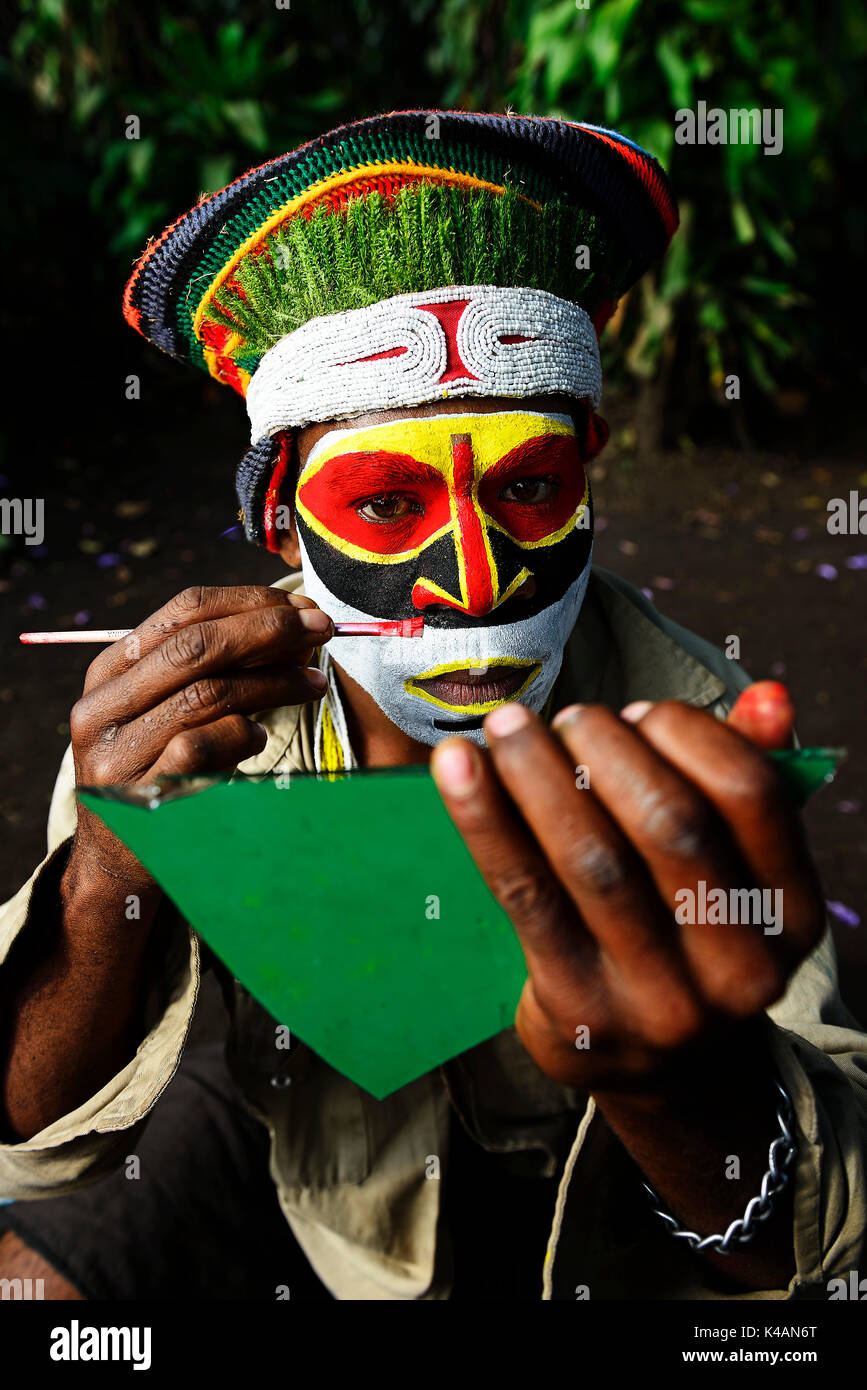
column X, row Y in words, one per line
column 464, row 340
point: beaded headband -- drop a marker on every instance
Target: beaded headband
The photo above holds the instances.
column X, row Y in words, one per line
column 414, row 203
column 467, row 340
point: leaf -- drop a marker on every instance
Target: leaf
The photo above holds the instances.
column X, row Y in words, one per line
column 678, row 72
column 773, row 289
column 676, row 268
column 757, row 366
column 709, row 11
column 548, row 24
column 246, row 117
column 141, row 153
column 777, row 242
column 215, row 172
column 745, row 228
column 605, row 33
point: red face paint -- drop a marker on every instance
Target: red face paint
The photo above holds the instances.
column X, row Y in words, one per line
column 445, row 512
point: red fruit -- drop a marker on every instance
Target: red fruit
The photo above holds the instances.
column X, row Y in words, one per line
column 764, row 713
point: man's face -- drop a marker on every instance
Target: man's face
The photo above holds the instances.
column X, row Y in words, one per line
column 475, row 514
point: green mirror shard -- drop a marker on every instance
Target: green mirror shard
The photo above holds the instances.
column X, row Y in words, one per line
column 349, row 907
column 805, row 770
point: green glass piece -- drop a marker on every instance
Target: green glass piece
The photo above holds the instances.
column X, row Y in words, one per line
column 349, row 907
column 805, row 770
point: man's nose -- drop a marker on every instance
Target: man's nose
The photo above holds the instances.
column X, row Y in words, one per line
column 476, row 603
column 479, row 588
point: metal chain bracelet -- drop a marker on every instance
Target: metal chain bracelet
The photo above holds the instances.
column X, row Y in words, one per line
column 780, row 1159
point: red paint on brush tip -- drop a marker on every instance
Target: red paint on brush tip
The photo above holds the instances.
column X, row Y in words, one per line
column 408, row 627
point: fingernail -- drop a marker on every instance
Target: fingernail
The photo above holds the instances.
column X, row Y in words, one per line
column 314, row 619
column 567, row 715
column 508, row 719
column 637, row 710
column 454, row 768
column 315, row 678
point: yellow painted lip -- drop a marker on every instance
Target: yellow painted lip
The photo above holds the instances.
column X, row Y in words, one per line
column 411, row 685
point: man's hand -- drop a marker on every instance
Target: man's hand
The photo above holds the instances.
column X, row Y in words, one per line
column 588, row 836
column 590, row 866
column 172, row 696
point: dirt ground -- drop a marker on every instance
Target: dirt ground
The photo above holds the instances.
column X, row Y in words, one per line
column 729, row 544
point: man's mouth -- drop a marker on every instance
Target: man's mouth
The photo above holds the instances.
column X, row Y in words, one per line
column 476, row 687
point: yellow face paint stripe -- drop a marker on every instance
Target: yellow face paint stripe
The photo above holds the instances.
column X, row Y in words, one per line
column 516, row 583
column 453, row 510
column 355, row 552
column 495, row 433
column 483, row 522
column 493, row 436
column 439, row 592
column 571, row 525
column 310, row 195
column 476, row 708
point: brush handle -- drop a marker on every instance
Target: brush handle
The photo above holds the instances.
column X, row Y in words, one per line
column 409, row 628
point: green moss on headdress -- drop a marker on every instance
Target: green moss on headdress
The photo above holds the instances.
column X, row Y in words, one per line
column 426, row 236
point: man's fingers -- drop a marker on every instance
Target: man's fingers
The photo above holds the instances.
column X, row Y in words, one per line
column 216, row 747
column 511, row 864
column 748, row 792
column 125, row 752
column 199, row 603
column 683, row 844
column 266, row 636
column 600, row 870
column 764, row 714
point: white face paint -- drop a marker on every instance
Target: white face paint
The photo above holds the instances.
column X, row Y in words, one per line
column 408, row 677
column 387, row 667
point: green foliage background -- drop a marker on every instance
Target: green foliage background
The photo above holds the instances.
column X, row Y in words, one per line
column 760, row 278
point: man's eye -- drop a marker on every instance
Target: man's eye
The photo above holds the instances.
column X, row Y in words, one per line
column 530, row 490
column 389, row 507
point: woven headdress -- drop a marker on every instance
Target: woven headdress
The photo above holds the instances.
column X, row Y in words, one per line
column 401, row 259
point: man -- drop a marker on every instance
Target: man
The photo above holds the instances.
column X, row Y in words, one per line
column 411, row 306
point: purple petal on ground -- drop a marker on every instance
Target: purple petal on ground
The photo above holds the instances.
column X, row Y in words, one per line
column 844, row 914
column 600, row 523
column 233, row 532
column 107, row 560
column 37, row 601
column 800, row 533
column 732, row 489
column 849, row 808
column 856, row 562
column 778, row 668
column 648, row 594
column 826, row 571
column 81, row 617
column 36, row 552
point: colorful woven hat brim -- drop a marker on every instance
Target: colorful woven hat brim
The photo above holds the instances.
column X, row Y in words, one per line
column 391, row 206
column 182, row 291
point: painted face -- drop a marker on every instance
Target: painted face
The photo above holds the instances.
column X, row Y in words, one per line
column 450, row 516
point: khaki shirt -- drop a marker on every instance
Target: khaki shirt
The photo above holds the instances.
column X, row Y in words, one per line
column 351, row 1171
